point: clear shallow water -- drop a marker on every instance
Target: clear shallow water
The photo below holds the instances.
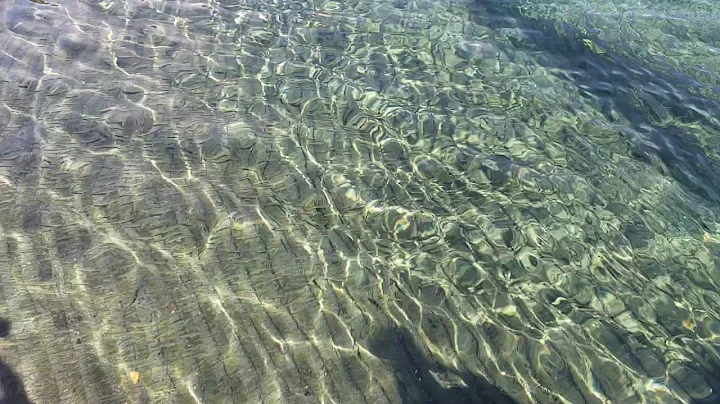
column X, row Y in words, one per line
column 359, row 202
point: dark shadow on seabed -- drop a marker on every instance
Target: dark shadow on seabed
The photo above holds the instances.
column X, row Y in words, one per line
column 620, row 83
column 13, row 391
column 417, row 375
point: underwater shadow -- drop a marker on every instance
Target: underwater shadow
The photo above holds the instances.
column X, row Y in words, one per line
column 619, row 84
column 13, row 391
column 419, row 377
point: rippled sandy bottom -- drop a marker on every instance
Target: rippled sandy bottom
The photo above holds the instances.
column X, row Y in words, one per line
column 288, row 202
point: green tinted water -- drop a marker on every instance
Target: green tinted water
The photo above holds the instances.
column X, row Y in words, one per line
column 359, row 202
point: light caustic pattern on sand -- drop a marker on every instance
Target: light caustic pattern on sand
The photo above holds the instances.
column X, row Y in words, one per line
column 325, row 201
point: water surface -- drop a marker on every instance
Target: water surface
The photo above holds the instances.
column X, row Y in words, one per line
column 359, row 201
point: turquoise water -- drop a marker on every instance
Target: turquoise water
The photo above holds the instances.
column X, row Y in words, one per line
column 359, row 201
